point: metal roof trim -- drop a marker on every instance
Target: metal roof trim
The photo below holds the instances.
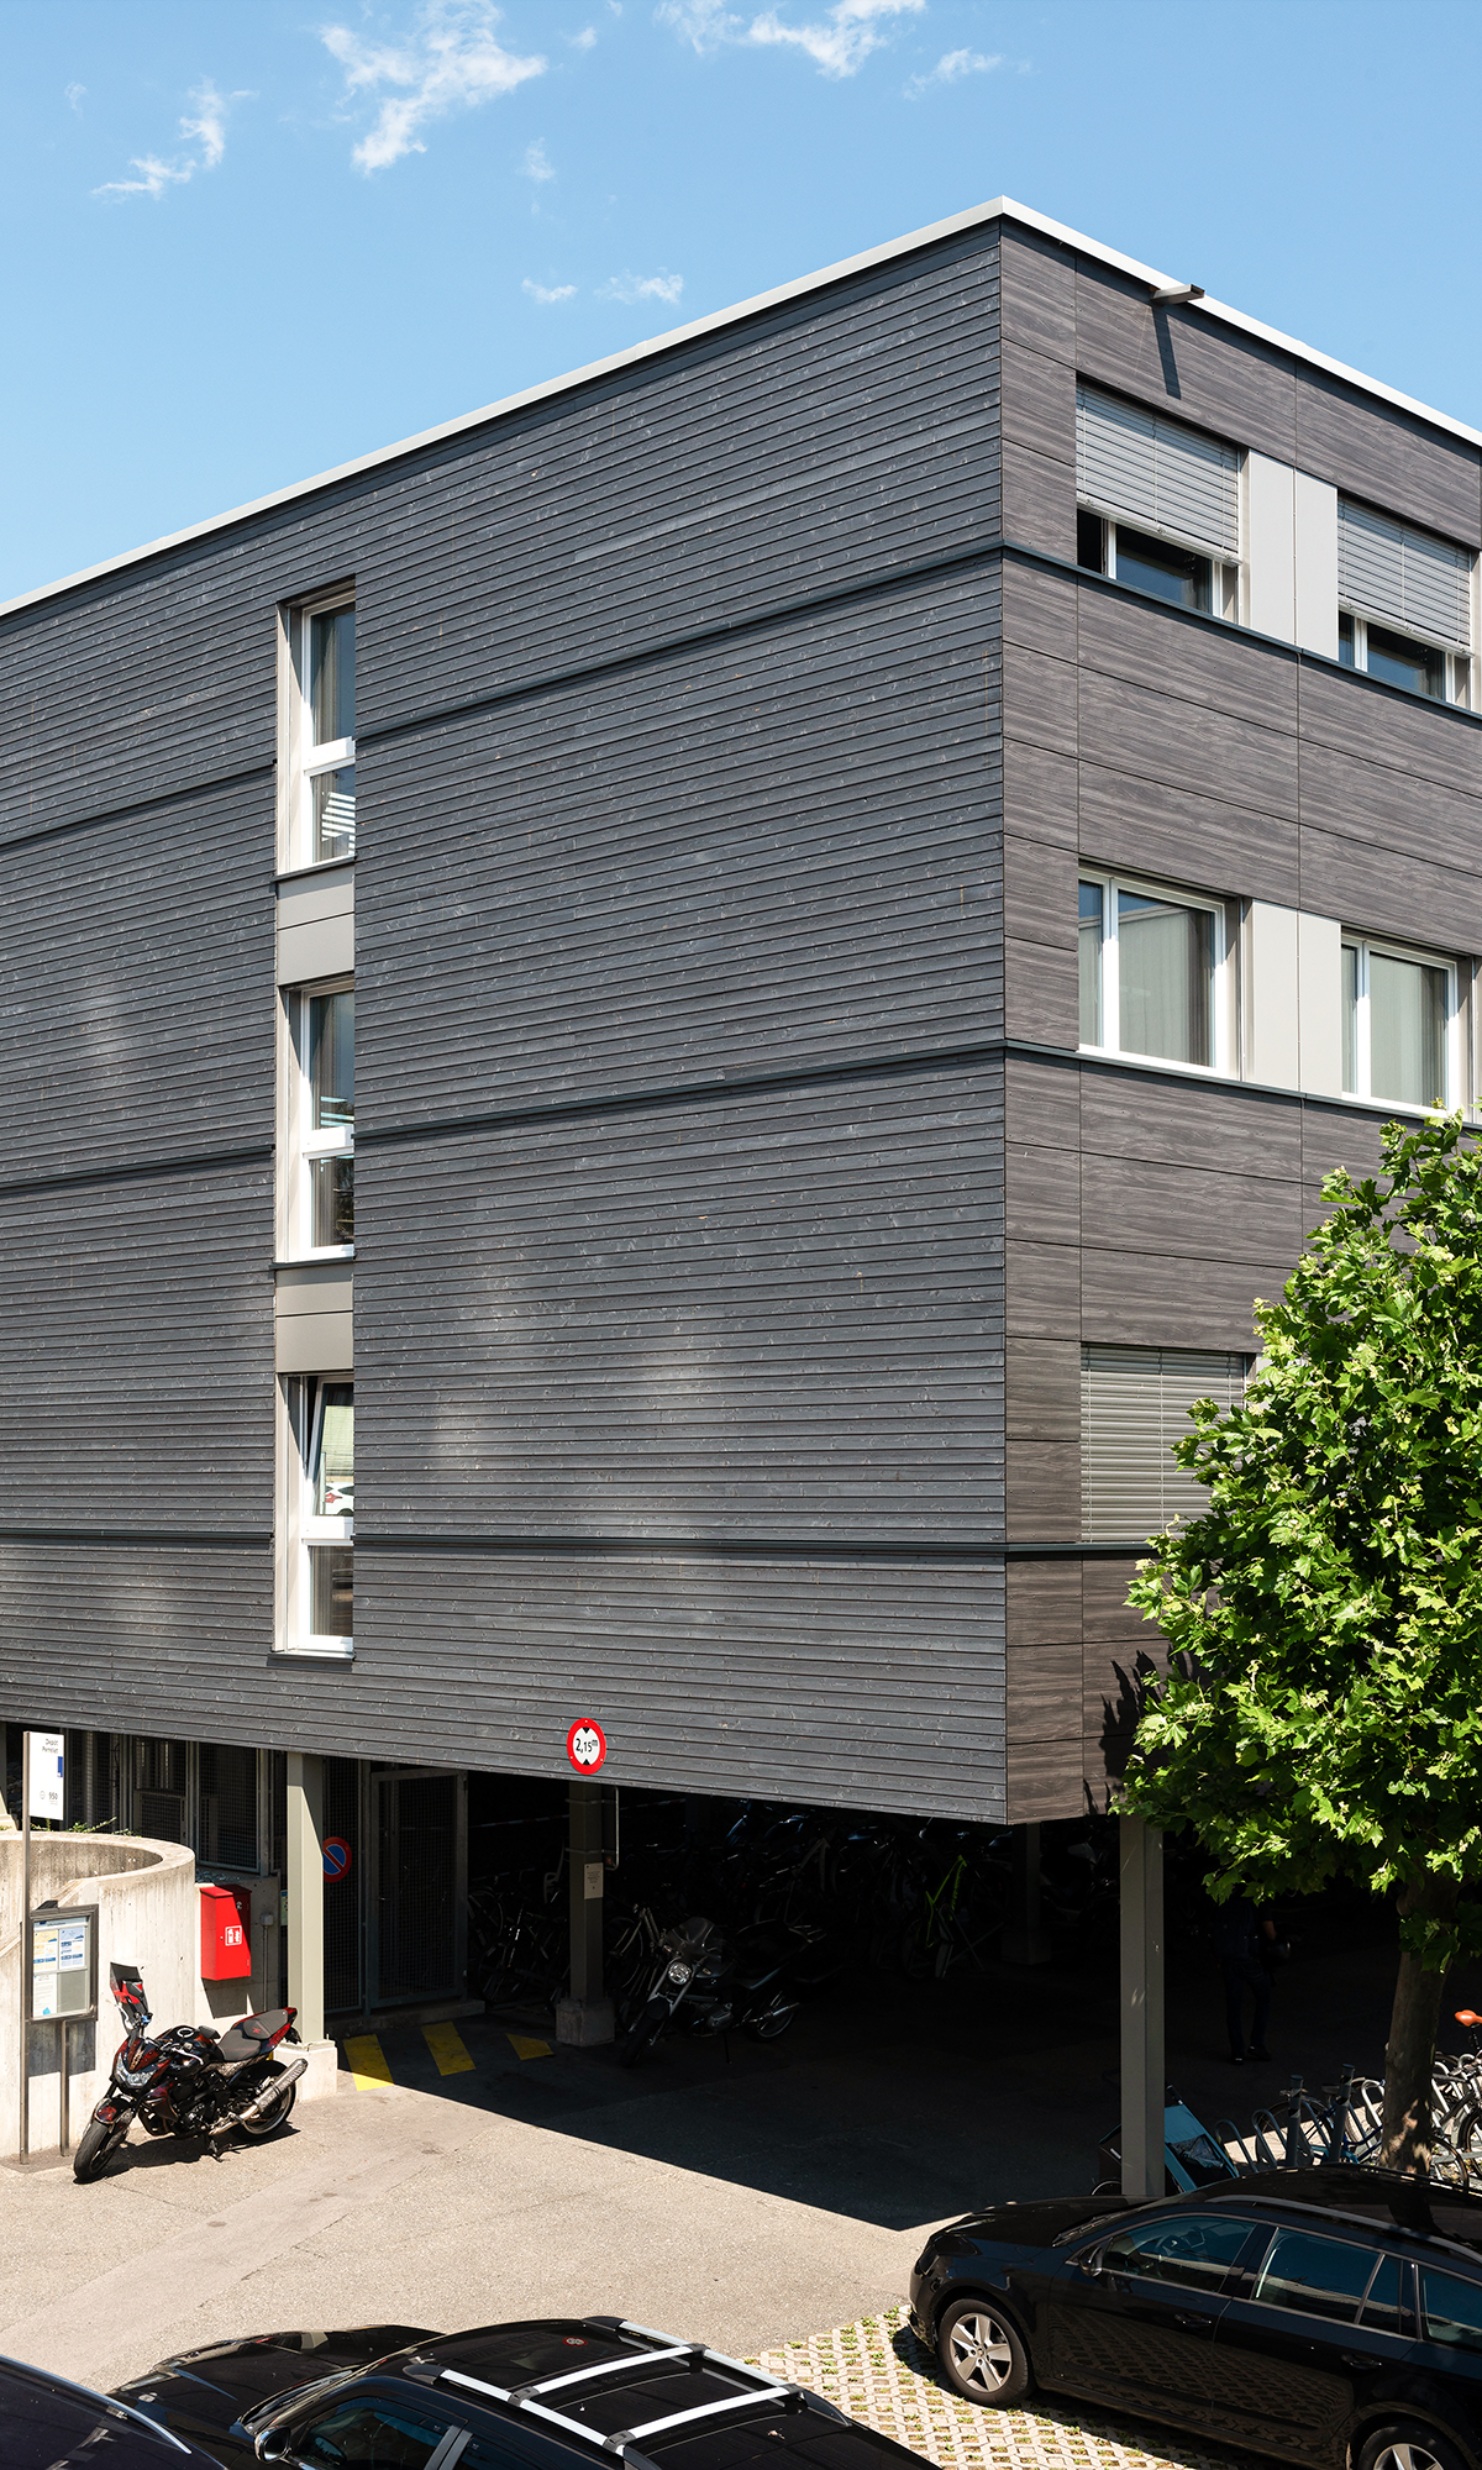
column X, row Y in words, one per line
column 1005, row 209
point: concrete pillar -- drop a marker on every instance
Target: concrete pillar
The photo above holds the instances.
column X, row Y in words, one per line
column 305, row 1864
column 585, row 2015
column 1143, row 2059
column 1025, row 1938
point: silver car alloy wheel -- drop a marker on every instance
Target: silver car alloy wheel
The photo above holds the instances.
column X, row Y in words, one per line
column 1406, row 2457
column 983, row 2359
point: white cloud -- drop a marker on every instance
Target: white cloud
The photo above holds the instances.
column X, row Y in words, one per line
column 536, row 164
column 204, row 127
column 548, row 294
column 74, row 95
column 584, row 40
column 631, row 288
column 705, row 23
column 951, row 66
column 838, row 43
column 451, row 61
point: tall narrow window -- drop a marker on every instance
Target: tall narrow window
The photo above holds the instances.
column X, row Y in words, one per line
column 322, row 1206
column 321, row 1573
column 1150, row 970
column 323, row 819
column 1398, row 1010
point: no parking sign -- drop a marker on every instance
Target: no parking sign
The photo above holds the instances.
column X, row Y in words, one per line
column 586, row 1745
column 337, row 1857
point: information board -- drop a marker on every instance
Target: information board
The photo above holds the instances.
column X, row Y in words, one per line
column 48, row 1762
column 63, row 1972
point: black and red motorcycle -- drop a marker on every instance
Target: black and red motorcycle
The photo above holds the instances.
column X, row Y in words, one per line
column 189, row 2081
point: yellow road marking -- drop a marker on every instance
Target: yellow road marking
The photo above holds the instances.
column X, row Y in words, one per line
column 448, row 2047
column 524, row 2047
column 367, row 2062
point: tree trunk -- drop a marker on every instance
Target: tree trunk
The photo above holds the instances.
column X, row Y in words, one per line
column 1410, row 2054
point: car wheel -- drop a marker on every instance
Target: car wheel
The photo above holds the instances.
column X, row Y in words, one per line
column 983, row 2357
column 1407, row 2446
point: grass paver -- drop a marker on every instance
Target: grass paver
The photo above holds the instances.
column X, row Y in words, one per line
column 879, row 2371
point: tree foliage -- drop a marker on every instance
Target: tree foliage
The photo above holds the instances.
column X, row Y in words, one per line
column 1323, row 1708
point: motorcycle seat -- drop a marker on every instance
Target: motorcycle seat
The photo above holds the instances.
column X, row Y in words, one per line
column 246, row 2040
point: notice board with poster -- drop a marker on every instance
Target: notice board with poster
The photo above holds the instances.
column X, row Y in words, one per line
column 62, row 1972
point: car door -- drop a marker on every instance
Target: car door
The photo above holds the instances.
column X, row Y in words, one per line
column 1449, row 2352
column 1316, row 2318
column 1132, row 2318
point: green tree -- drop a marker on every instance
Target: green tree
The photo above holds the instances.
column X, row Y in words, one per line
column 1322, row 1712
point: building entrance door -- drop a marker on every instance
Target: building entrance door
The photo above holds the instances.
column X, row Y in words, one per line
column 418, row 1919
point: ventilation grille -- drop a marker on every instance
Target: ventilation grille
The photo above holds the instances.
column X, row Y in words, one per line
column 1135, row 1404
column 1169, row 479
column 1403, row 577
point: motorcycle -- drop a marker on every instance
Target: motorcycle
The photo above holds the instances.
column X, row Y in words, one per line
column 190, row 2080
column 715, row 1991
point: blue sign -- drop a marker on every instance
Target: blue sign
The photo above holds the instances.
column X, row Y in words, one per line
column 337, row 1857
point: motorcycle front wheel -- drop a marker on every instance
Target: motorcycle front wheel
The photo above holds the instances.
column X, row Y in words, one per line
column 101, row 2140
column 268, row 2122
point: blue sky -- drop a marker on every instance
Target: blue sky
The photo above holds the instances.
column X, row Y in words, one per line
column 248, row 239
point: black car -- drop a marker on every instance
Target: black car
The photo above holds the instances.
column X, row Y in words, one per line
column 47, row 2423
column 1328, row 2316
column 545, row 2395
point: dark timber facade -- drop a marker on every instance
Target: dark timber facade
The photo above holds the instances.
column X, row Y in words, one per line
column 738, row 1194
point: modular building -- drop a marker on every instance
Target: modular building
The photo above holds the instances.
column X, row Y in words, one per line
column 650, row 1043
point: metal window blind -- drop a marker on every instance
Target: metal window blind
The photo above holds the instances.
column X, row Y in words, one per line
column 1135, row 1404
column 1156, row 473
column 1405, row 578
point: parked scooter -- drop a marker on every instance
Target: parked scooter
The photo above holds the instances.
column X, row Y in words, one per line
column 713, row 1991
column 189, row 2081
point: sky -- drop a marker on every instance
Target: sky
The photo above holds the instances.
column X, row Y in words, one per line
column 242, row 241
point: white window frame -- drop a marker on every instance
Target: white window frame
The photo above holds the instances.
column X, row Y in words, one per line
column 301, row 761
column 304, row 1141
column 1458, row 669
column 1364, row 945
column 1221, row 973
column 1227, row 574
column 303, row 1400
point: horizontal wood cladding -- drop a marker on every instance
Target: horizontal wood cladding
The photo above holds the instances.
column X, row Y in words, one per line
column 775, row 853
column 137, row 1017
column 854, row 1683
column 159, row 1638
column 834, row 438
column 754, row 1317
column 843, row 1683
column 828, row 441
column 136, row 1354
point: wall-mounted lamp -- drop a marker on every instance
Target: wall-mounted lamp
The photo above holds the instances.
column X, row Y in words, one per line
column 1173, row 295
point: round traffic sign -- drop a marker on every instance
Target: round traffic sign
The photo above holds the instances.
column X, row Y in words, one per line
column 586, row 1745
column 337, row 1857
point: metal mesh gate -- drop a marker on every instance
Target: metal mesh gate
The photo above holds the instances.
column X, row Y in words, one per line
column 417, row 1882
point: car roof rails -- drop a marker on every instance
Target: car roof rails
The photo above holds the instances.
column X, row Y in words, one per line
column 626, row 2444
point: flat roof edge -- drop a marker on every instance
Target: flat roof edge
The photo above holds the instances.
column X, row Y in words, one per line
column 1005, row 209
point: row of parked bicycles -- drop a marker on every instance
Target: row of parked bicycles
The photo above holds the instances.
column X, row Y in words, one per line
column 1343, row 2122
column 810, row 1892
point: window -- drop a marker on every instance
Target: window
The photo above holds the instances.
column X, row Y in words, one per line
column 321, row 1181
column 1315, row 2276
column 1453, row 2310
column 321, row 827
column 321, row 1558
column 1135, row 1404
column 1398, row 1025
column 1382, row 2307
column 368, row 2435
column 1405, row 605
column 1151, row 970
column 1159, row 505
column 1193, row 2251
